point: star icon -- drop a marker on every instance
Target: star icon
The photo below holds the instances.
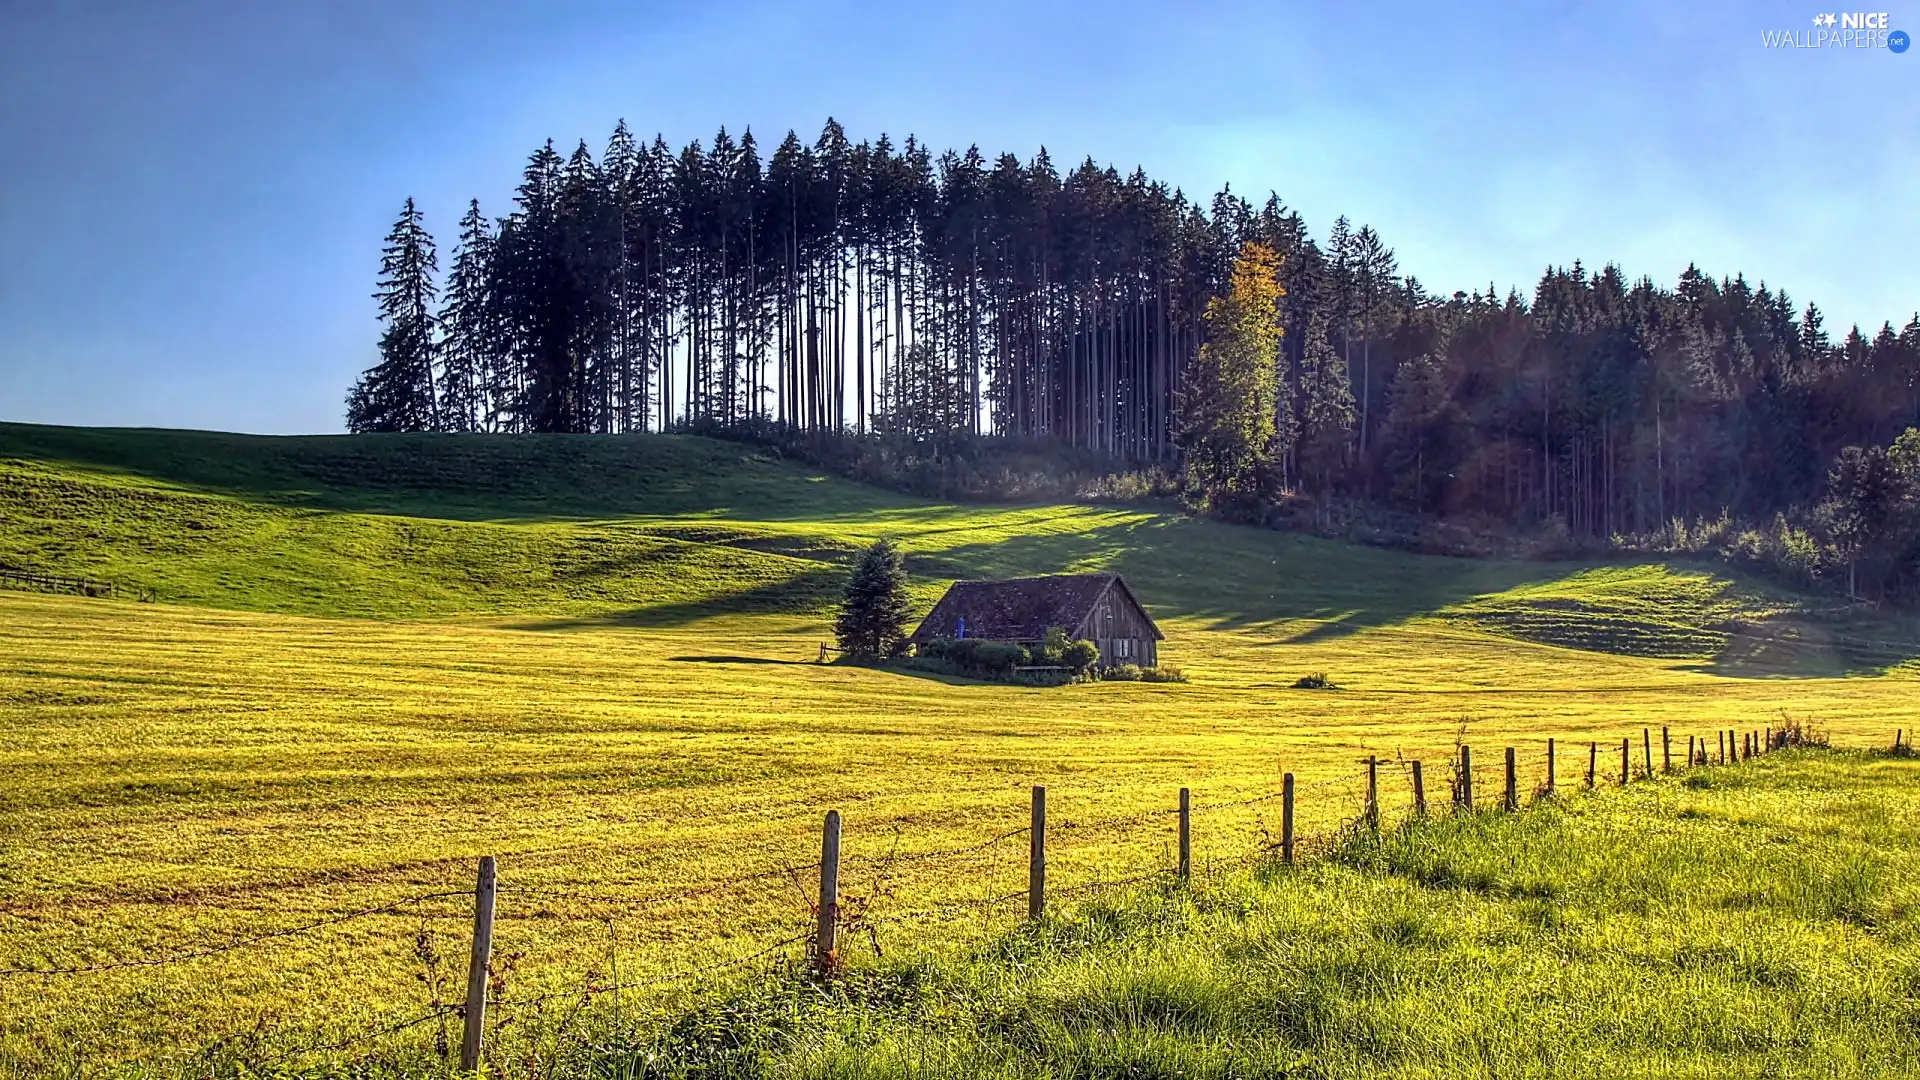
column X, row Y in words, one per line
column 1829, row 19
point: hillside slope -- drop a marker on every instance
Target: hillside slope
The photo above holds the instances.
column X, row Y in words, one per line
column 651, row 530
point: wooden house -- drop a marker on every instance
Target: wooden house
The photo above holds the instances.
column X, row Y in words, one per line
column 1094, row 607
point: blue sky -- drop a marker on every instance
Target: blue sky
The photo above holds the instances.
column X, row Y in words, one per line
column 192, row 195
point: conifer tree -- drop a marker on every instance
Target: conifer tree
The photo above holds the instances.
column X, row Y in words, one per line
column 397, row 394
column 1415, row 430
column 470, row 340
column 872, row 623
column 1326, row 411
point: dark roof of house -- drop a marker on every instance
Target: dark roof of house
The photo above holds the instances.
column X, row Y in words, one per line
column 1021, row 609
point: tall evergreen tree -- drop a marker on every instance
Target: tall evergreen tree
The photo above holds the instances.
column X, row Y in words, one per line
column 1418, row 424
column 471, row 342
column 397, row 394
column 1326, row 411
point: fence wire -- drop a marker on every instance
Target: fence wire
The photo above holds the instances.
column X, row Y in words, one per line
column 1393, row 801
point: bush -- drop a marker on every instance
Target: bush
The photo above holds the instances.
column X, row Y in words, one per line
column 1134, row 673
column 1052, row 647
column 1316, row 681
column 1080, row 655
column 996, row 657
column 974, row 657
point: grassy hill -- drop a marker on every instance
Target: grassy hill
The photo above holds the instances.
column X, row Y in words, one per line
column 375, row 659
column 661, row 530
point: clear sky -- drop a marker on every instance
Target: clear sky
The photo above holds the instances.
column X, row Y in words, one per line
column 193, row 195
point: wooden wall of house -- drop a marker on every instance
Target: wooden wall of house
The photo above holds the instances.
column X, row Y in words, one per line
column 1116, row 618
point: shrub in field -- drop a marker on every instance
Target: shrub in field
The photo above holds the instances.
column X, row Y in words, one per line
column 972, row 657
column 1080, row 656
column 1316, row 681
column 1135, row 673
column 1053, row 646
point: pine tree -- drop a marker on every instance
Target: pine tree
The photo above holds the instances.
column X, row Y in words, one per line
column 1327, row 415
column 1862, row 507
column 397, row 394
column 872, row 623
column 1415, row 431
column 470, row 342
column 536, row 301
column 1372, row 270
column 1227, row 408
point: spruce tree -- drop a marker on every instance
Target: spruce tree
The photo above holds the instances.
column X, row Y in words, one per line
column 873, row 613
column 397, row 394
column 470, row 337
column 1415, row 431
column 1326, row 411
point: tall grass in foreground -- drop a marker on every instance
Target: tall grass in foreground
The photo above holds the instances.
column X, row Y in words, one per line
column 1750, row 921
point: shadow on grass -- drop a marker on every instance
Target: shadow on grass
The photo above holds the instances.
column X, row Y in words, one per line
column 810, row 592
column 1806, row 648
column 1237, row 577
column 473, row 477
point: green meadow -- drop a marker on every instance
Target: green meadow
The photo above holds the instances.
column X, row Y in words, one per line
column 374, row 659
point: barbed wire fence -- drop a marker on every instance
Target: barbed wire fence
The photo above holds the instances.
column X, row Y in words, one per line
column 836, row 915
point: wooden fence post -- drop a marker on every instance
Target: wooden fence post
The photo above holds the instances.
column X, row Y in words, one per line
column 1419, row 791
column 1373, row 793
column 1553, row 775
column 1186, row 834
column 1593, row 765
column 1666, row 749
column 1690, row 762
column 1723, row 747
column 1464, row 799
column 1626, row 762
column 483, row 894
column 1646, row 749
column 1512, row 800
column 1037, row 855
column 826, row 940
column 1286, row 819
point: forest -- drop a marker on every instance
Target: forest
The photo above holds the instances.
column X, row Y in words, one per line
column 874, row 291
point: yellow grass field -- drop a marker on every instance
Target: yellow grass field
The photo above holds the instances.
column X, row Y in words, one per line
column 176, row 777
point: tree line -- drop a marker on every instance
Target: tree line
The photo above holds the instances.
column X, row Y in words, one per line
column 870, row 289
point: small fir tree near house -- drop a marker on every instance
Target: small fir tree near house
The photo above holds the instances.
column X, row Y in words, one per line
column 873, row 618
